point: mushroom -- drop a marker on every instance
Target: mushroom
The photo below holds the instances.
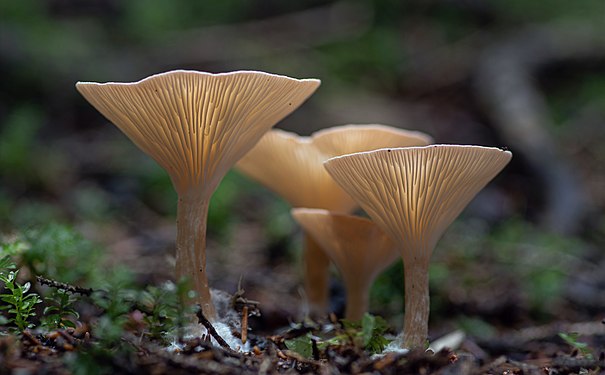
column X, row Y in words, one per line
column 196, row 125
column 348, row 139
column 357, row 246
column 414, row 194
column 291, row 166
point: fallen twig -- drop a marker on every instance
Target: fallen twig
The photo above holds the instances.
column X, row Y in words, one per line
column 244, row 333
column 206, row 323
column 27, row 335
column 66, row 287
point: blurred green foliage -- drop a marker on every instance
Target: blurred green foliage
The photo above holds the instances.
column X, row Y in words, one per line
column 589, row 11
column 579, row 93
column 148, row 22
column 58, row 252
column 387, row 292
column 355, row 62
column 223, row 203
column 17, row 143
column 27, row 165
column 540, row 260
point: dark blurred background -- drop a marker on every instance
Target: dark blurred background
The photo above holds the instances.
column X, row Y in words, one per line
column 527, row 75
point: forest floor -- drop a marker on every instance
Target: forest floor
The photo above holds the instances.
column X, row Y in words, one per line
column 277, row 341
column 535, row 350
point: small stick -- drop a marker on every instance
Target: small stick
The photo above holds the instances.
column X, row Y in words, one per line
column 67, row 287
column 67, row 336
column 244, row 324
column 202, row 319
column 296, row 356
column 31, row 338
column 281, row 355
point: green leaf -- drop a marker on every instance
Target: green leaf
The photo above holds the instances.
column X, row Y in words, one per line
column 350, row 324
column 572, row 339
column 301, row 345
column 50, row 309
column 368, row 322
column 8, row 299
column 6, row 263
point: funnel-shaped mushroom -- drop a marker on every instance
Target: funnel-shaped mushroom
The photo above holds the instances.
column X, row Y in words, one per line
column 292, row 166
column 358, row 247
column 414, row 194
column 196, row 126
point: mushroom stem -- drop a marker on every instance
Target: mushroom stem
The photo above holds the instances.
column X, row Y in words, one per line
column 417, row 305
column 192, row 214
column 358, row 301
column 317, row 267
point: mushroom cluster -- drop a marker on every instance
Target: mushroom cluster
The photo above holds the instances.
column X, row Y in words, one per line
column 292, row 166
column 198, row 125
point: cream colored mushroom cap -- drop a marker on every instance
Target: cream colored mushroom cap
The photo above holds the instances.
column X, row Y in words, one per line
column 358, row 247
column 196, row 125
column 348, row 139
column 415, row 193
column 292, row 166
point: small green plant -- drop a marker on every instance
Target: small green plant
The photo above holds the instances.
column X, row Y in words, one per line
column 156, row 310
column 115, row 297
column 12, row 249
column 59, row 312
column 368, row 334
column 572, row 340
column 183, row 306
column 18, row 303
column 160, row 308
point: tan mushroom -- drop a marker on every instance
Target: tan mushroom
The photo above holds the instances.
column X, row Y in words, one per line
column 414, row 194
column 358, row 247
column 348, row 139
column 291, row 166
column 196, row 126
